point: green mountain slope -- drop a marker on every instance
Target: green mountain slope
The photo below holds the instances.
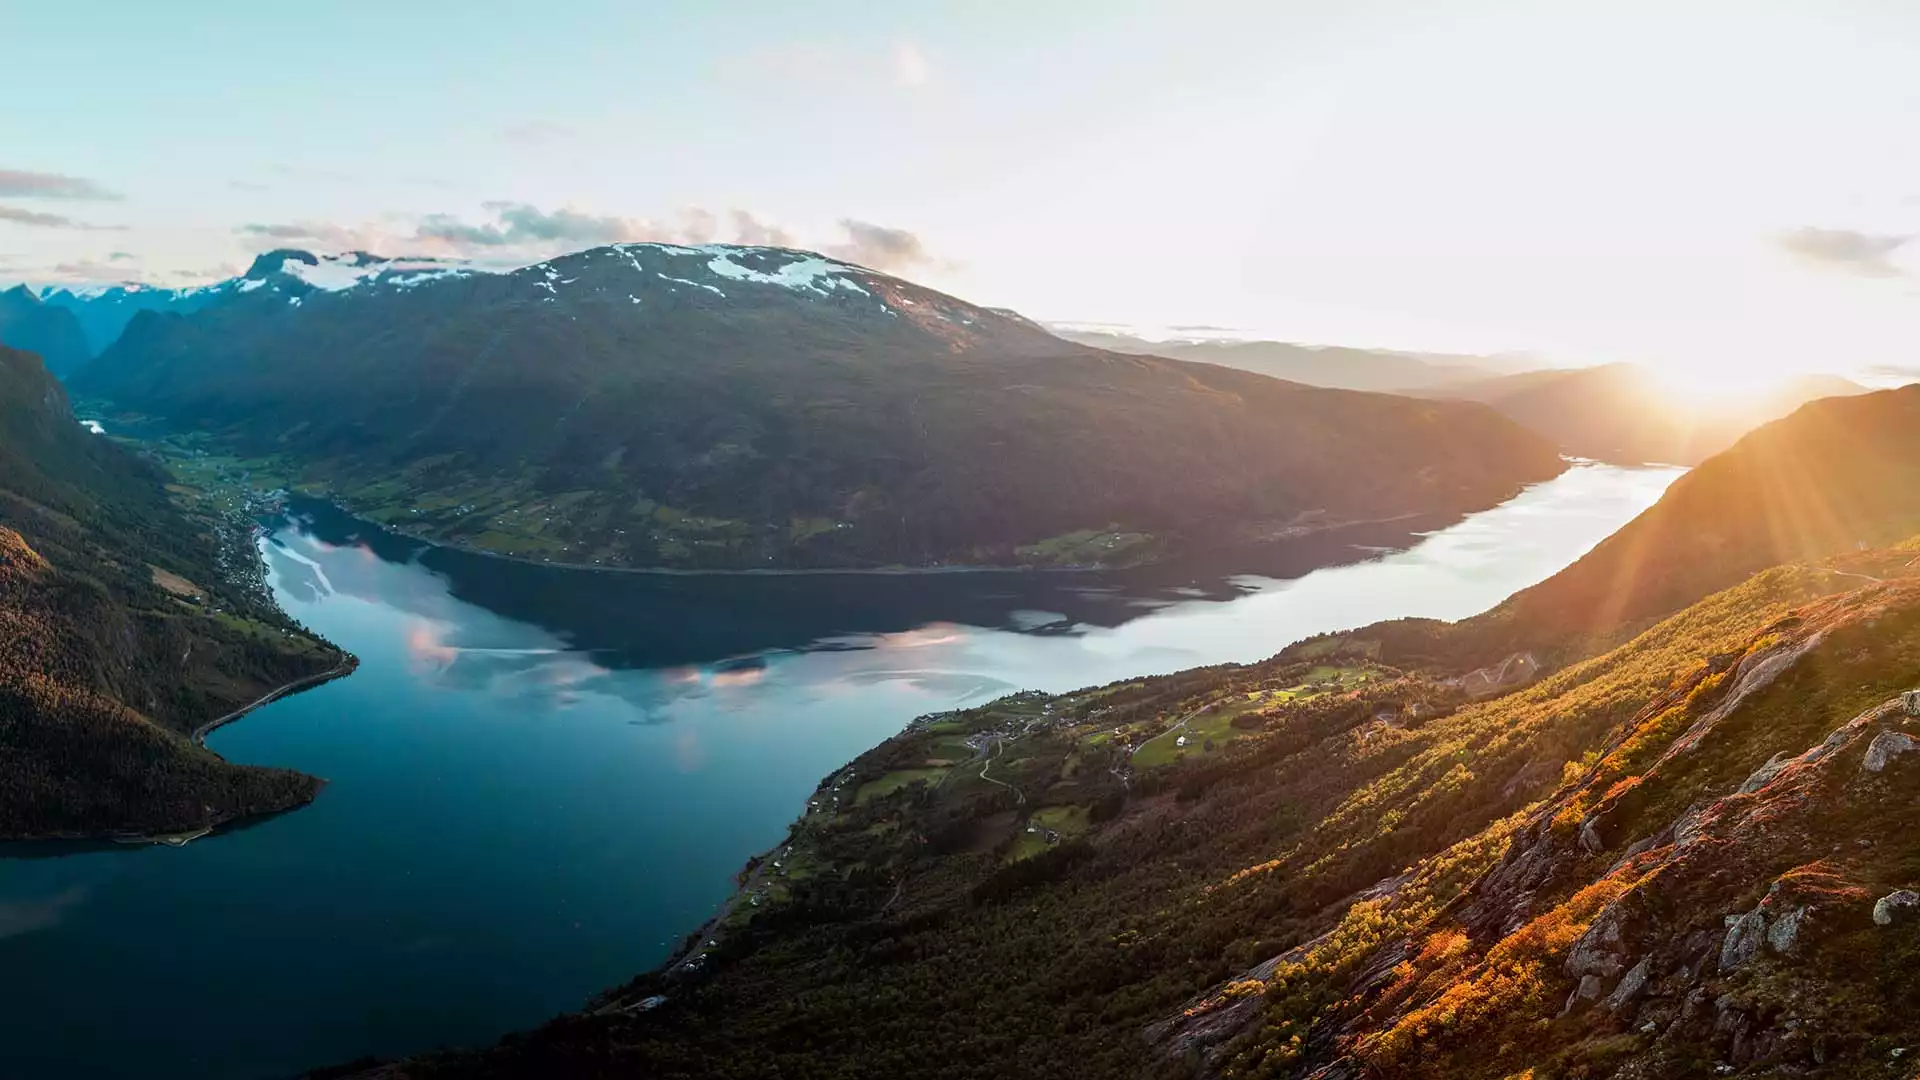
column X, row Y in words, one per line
column 1683, row 856
column 750, row 407
column 107, row 664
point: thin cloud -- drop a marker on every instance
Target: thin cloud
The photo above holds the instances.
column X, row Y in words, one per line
column 698, row 225
column 23, row 184
column 880, row 247
column 538, row 131
column 36, row 219
column 208, row 273
column 513, row 231
column 89, row 270
column 289, row 231
column 517, row 224
column 910, row 65
column 523, row 226
column 317, row 233
column 118, row 271
column 1891, row 374
column 809, row 62
column 1846, row 251
column 748, row 229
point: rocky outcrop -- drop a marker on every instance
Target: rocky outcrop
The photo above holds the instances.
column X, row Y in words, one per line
column 1887, row 746
column 1745, row 935
column 1658, row 958
column 1753, row 674
column 1764, row 774
column 1632, row 984
column 1895, row 908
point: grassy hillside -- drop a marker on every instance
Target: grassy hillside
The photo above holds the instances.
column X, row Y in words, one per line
column 122, row 628
column 748, row 407
column 1663, row 859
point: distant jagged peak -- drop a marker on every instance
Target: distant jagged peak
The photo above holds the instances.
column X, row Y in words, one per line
column 712, row 267
column 339, row 271
column 268, row 263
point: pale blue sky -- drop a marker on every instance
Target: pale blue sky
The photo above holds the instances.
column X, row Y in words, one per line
column 1593, row 182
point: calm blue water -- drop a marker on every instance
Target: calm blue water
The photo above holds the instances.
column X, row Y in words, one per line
column 541, row 779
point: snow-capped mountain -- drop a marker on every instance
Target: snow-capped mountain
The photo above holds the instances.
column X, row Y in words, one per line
column 105, row 310
column 719, row 405
column 632, row 271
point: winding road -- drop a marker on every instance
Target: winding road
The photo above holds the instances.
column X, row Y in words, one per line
column 344, row 667
column 998, row 745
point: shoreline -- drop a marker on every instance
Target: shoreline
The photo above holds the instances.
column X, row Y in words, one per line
column 1281, row 535
column 348, row 664
column 84, row 841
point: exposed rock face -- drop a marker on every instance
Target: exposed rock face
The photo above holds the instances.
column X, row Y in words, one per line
column 1764, row 774
column 1745, row 934
column 1645, row 956
column 1754, row 674
column 1784, row 934
column 1910, row 702
column 1598, row 952
column 1897, row 907
column 1887, row 746
column 1590, row 837
column 1589, row 988
column 1631, row 985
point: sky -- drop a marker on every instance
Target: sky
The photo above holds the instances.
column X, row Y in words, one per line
column 1722, row 190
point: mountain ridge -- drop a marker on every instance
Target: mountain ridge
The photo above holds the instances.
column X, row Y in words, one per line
column 1623, row 413
column 731, row 407
column 49, row 331
column 1333, row 366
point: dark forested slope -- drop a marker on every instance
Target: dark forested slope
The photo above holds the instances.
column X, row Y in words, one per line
column 655, row 405
column 119, row 634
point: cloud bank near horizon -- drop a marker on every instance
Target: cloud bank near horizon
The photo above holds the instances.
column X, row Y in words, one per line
column 522, row 232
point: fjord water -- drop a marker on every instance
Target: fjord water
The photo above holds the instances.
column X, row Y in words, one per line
column 540, row 779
